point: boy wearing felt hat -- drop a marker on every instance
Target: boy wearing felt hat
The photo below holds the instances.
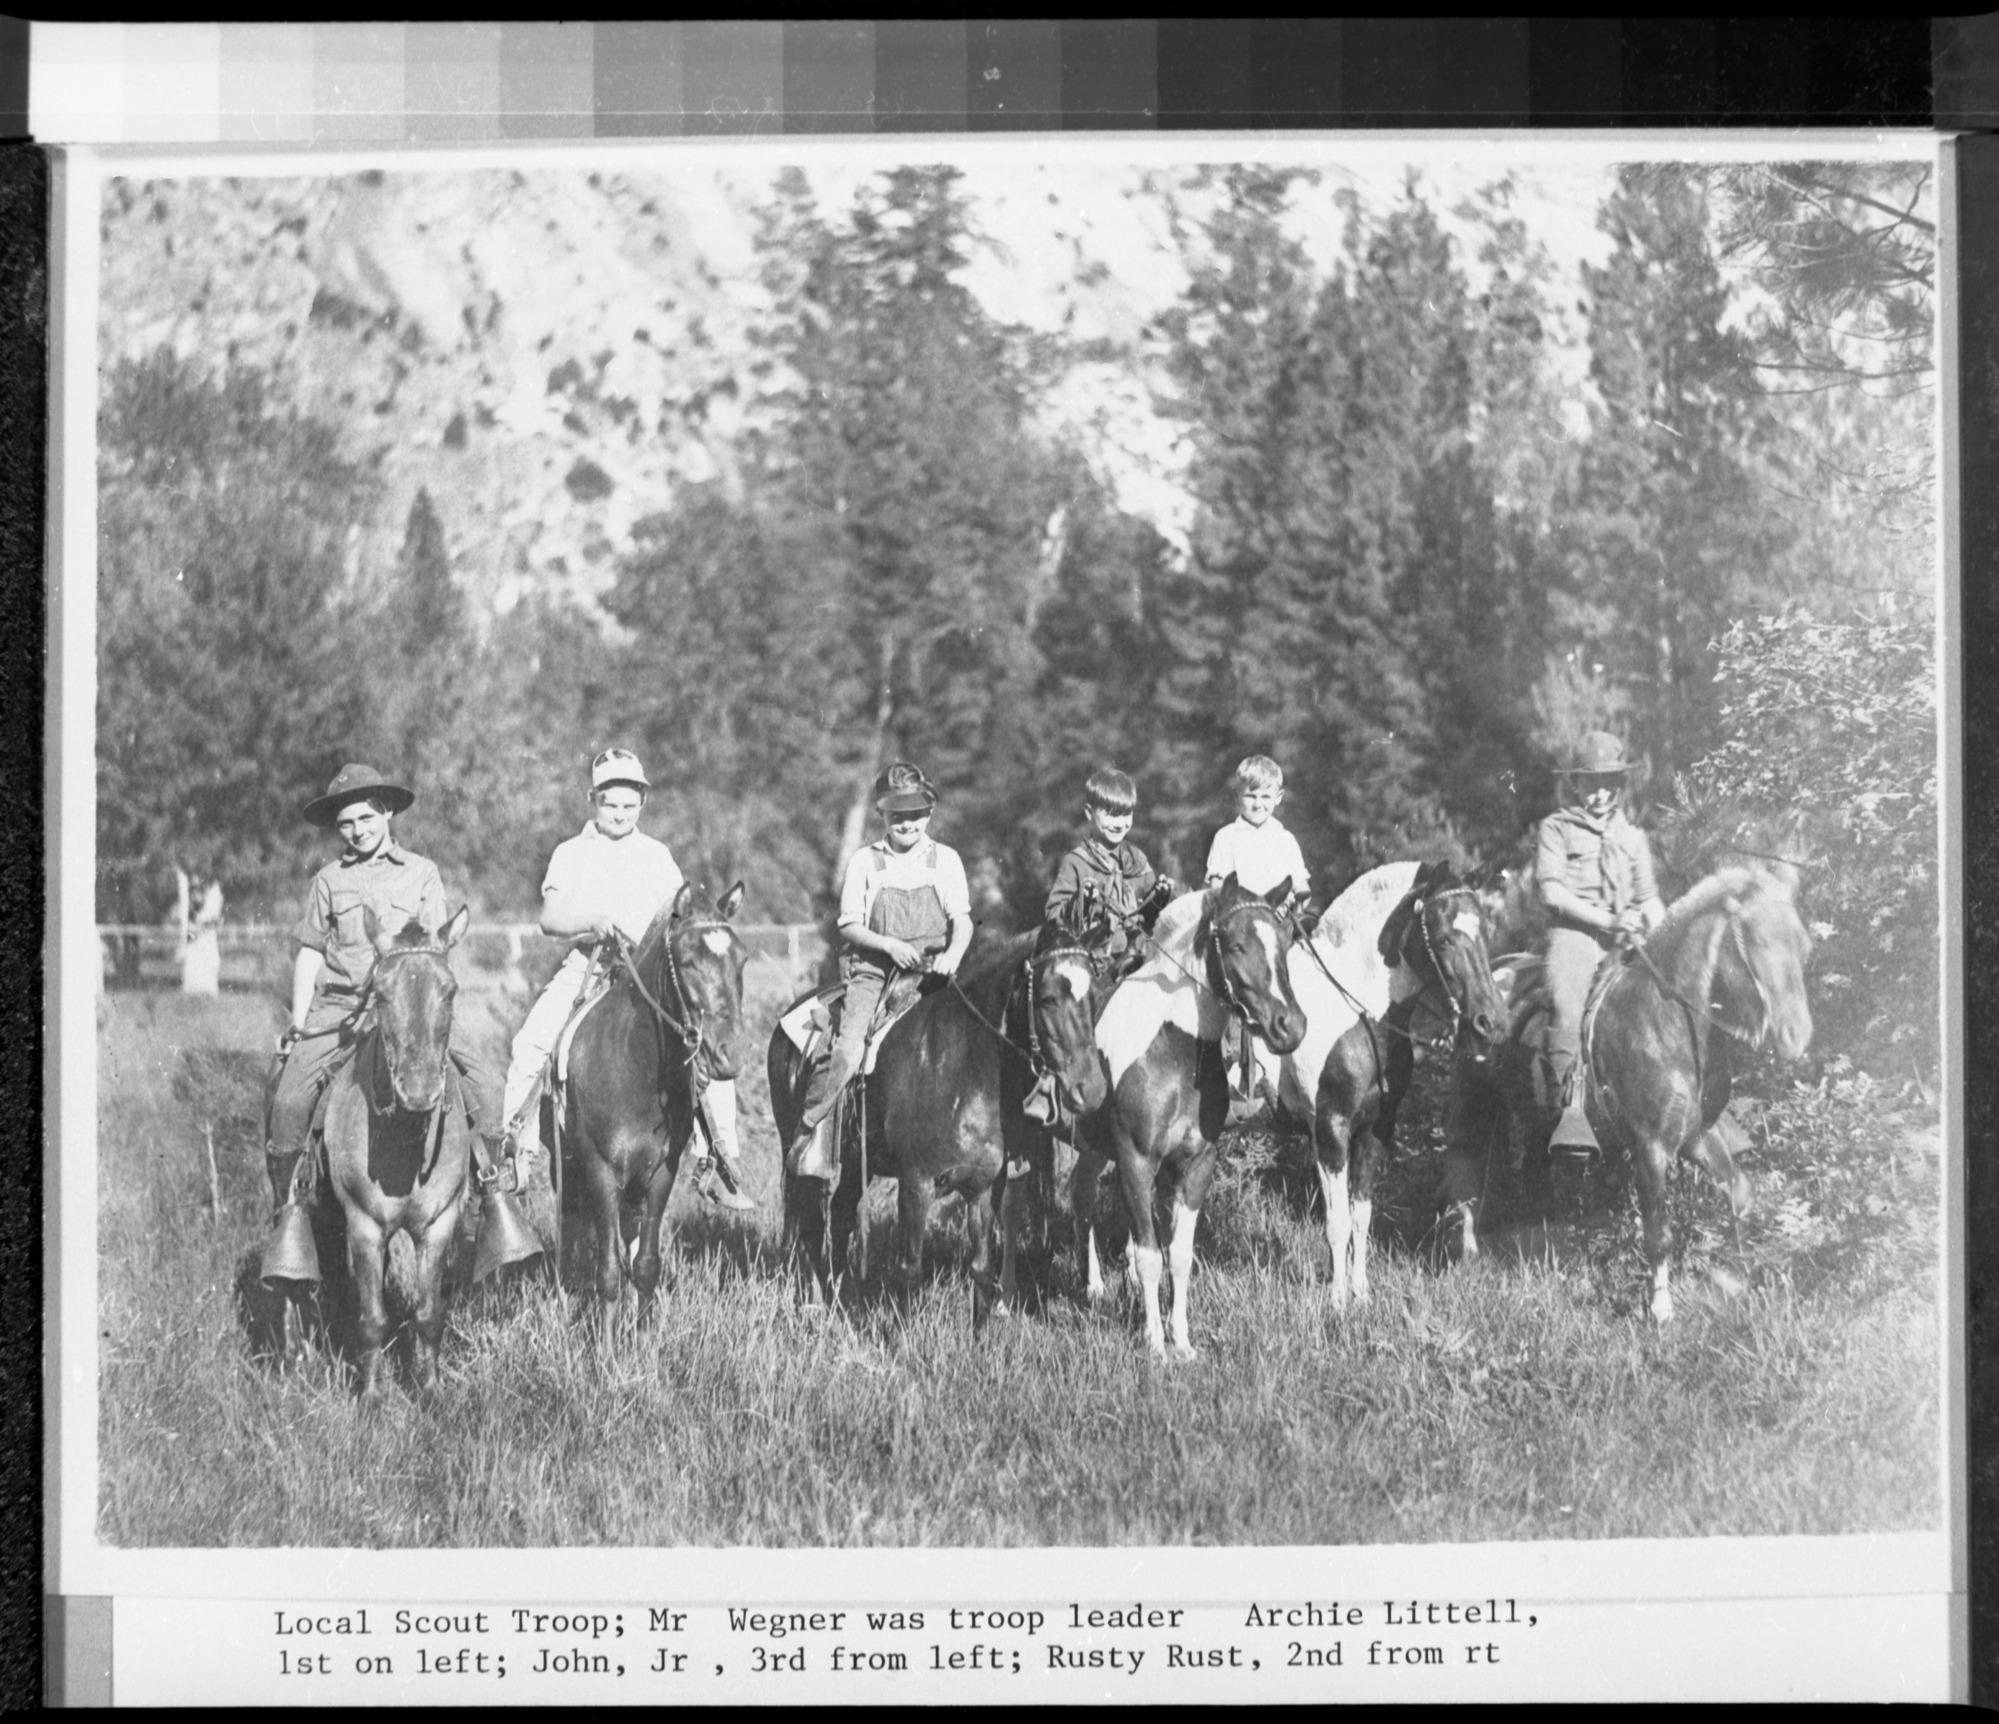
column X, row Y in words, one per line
column 904, row 906
column 610, row 879
column 1593, row 869
column 336, row 957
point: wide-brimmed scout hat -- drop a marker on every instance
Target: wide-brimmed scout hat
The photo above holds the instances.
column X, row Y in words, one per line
column 357, row 783
column 1599, row 754
column 618, row 766
column 902, row 789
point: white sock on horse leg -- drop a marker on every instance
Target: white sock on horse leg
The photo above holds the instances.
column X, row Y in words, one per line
column 1149, row 1264
column 1183, row 1270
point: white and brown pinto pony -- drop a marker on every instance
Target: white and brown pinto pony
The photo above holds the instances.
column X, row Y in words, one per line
column 1214, row 955
column 1396, row 966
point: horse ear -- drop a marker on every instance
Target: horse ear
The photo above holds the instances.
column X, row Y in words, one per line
column 1279, row 895
column 680, row 900
column 454, row 930
column 371, row 925
column 731, row 902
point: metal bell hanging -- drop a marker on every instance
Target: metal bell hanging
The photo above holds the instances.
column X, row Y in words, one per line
column 289, row 1254
column 504, row 1235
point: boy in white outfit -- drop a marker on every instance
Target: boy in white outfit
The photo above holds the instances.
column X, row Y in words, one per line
column 1259, row 850
column 609, row 879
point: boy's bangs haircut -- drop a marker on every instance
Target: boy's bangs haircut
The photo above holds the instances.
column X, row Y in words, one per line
column 1112, row 791
column 1258, row 772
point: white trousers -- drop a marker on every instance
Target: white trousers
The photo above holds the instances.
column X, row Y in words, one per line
column 535, row 1040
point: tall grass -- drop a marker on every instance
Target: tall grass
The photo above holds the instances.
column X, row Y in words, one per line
column 1520, row 1397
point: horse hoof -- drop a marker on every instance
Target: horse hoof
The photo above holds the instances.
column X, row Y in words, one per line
column 1184, row 1350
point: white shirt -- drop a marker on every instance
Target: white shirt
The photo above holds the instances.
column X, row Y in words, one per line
column 876, row 865
column 629, row 879
column 1258, row 856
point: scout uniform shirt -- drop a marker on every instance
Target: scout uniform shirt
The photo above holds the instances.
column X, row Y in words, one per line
column 1607, row 863
column 395, row 883
column 1119, row 880
column 1258, row 856
column 630, row 879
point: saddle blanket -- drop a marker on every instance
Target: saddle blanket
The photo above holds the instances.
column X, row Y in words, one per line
column 595, row 986
column 809, row 1023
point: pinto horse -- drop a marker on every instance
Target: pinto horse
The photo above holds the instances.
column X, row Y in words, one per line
column 397, row 1143
column 943, row 1109
column 669, row 1025
column 1397, row 964
column 1727, row 965
column 1214, row 953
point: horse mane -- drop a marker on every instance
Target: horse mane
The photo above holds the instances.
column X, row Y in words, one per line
column 1354, row 918
column 412, row 933
column 1174, row 931
column 1698, row 901
column 991, row 955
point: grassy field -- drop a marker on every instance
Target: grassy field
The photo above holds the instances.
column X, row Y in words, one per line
column 1796, row 1392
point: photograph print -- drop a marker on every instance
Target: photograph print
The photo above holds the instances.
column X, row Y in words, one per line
column 1104, row 844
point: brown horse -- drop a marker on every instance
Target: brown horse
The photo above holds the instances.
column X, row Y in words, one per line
column 397, row 1143
column 669, row 1025
column 943, row 1109
column 1214, row 953
column 1727, row 965
column 1396, row 966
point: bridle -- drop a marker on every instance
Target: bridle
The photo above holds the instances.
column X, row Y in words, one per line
column 1032, row 1052
column 1224, row 987
column 693, row 1039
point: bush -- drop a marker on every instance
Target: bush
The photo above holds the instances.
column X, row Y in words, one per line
column 1833, row 726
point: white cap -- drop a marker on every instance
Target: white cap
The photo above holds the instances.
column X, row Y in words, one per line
column 618, row 766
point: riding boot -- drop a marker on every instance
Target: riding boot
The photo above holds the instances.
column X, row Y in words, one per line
column 720, row 1178
column 827, row 1083
column 282, row 1167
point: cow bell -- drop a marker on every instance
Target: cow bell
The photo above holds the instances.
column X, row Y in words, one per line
column 504, row 1236
column 289, row 1254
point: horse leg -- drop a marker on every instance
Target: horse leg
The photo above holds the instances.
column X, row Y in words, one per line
column 1135, row 1175
column 979, row 1218
column 912, row 1203
column 1184, row 1219
column 646, row 1263
column 1651, row 1163
column 602, row 1203
column 1013, row 1219
column 1083, row 1178
column 367, row 1251
column 1367, row 1166
column 1711, row 1154
column 431, row 1248
column 1331, row 1142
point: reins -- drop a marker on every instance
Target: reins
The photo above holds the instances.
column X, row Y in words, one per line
column 1032, row 1052
column 690, row 1039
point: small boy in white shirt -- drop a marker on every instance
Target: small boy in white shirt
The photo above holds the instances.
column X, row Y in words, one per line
column 1259, row 850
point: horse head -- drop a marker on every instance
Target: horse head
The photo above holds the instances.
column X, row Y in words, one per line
column 1440, row 935
column 1760, row 965
column 1246, row 940
column 1061, row 1021
column 704, row 962
column 412, row 989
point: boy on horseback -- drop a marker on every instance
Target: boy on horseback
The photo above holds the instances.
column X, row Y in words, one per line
column 1108, row 877
column 1261, row 853
column 336, row 957
column 606, row 883
column 905, row 907
column 1593, row 868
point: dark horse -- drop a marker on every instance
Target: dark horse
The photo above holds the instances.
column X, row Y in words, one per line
column 1396, row 966
column 1213, row 953
column 397, row 1143
column 1726, row 965
column 942, row 1110
column 669, row 1025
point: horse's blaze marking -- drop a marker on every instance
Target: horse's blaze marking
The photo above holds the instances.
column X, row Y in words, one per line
column 717, row 940
column 1467, row 923
column 1077, row 977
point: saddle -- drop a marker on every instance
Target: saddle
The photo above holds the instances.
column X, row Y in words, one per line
column 809, row 1024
